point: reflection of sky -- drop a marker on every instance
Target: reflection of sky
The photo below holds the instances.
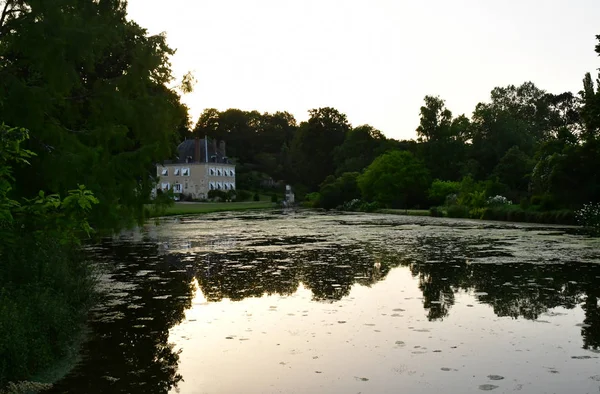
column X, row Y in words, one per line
column 293, row 344
column 299, row 302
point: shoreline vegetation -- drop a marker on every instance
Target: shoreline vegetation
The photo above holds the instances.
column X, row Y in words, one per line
column 197, row 208
column 510, row 214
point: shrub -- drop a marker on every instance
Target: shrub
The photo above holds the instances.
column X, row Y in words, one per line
column 369, row 206
column 436, row 212
column 352, row 205
column 217, row 195
column 498, row 200
column 274, row 198
column 589, row 216
column 242, row 195
column 256, row 197
column 457, row 211
column 476, row 213
column 440, row 190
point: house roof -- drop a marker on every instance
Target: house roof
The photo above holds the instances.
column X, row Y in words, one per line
column 186, row 151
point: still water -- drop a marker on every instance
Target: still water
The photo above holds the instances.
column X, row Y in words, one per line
column 319, row 303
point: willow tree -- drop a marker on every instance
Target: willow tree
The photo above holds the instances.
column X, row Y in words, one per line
column 92, row 89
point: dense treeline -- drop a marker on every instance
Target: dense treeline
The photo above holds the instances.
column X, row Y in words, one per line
column 525, row 147
column 85, row 113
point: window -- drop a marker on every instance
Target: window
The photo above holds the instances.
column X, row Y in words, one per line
column 219, row 186
column 177, row 188
column 225, row 186
column 165, row 172
column 226, row 172
column 232, row 172
column 212, row 171
column 212, row 186
column 232, row 186
column 176, row 172
column 185, row 171
column 165, row 186
column 219, row 173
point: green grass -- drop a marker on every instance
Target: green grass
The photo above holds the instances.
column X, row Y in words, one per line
column 410, row 212
column 180, row 208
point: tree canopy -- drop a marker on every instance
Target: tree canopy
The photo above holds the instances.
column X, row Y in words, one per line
column 91, row 88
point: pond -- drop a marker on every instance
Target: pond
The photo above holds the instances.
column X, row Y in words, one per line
column 305, row 302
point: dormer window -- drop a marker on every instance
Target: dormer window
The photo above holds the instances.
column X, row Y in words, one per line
column 165, row 172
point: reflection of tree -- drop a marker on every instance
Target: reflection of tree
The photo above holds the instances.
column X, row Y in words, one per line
column 445, row 266
column 128, row 349
column 328, row 273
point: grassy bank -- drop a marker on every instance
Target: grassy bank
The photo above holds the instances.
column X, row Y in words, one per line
column 511, row 213
column 184, row 208
column 409, row 212
column 507, row 213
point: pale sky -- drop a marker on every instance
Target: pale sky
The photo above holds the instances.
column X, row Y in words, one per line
column 373, row 60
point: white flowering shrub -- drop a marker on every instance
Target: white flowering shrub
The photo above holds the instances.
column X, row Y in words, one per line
column 353, row 205
column 589, row 216
column 498, row 200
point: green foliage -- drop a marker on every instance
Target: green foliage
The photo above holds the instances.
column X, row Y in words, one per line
column 242, row 195
column 312, row 200
column 274, row 198
column 45, row 290
column 218, row 195
column 91, row 88
column 256, row 197
column 440, row 190
column 395, row 179
column 336, row 191
column 361, row 146
column 589, row 216
column 314, row 144
column 45, row 283
column 457, row 211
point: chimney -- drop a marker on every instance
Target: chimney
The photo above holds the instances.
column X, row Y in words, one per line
column 197, row 150
column 222, row 148
column 214, row 143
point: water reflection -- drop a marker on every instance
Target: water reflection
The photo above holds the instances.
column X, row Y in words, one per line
column 127, row 349
column 153, row 281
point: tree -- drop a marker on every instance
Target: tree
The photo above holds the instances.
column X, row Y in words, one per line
column 91, row 87
column 442, row 139
column 314, row 144
column 395, row 179
column 440, row 190
column 513, row 170
column 361, row 146
column 436, row 120
column 336, row 191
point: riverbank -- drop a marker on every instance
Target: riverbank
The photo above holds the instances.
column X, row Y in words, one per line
column 501, row 214
column 406, row 212
column 192, row 208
